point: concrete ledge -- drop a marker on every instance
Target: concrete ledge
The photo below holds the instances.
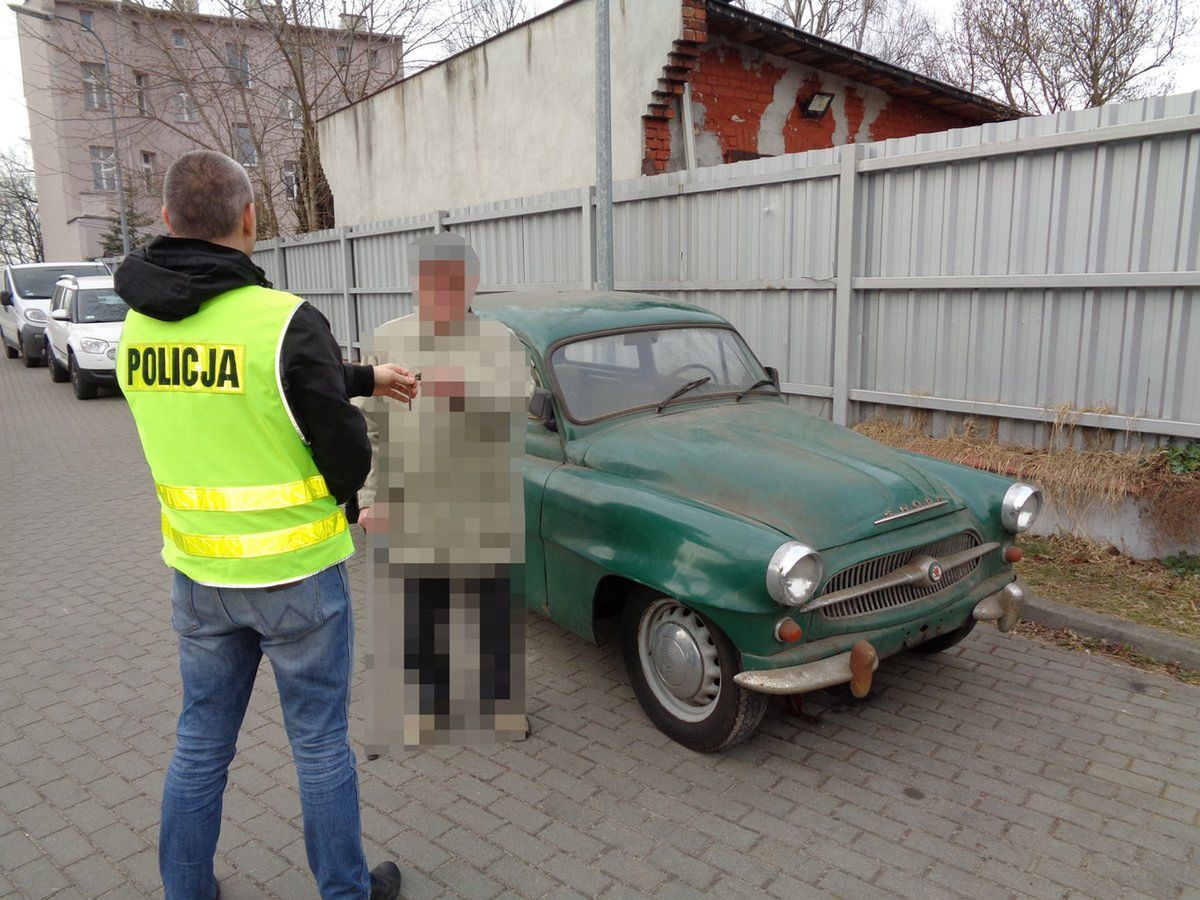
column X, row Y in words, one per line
column 1153, row 642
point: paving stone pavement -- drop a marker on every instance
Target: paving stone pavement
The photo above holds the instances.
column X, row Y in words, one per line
column 1003, row 767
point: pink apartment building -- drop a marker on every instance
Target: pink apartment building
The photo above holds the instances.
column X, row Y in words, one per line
column 251, row 83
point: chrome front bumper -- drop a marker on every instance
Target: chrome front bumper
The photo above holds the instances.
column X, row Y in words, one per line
column 1002, row 608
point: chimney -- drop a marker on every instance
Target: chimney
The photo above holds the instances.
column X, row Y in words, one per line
column 351, row 21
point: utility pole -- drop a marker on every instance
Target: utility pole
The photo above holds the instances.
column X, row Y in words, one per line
column 112, row 107
column 604, row 205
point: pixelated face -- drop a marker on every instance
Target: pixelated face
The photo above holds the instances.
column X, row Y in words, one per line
column 444, row 290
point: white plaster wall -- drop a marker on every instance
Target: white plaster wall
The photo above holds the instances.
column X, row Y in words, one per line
column 510, row 118
column 1124, row 527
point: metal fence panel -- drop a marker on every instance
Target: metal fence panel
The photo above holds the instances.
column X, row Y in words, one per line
column 1020, row 273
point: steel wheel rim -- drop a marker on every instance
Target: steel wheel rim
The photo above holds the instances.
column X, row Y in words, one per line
column 667, row 632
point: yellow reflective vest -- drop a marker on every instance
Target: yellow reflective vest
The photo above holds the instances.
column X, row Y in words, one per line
column 243, row 504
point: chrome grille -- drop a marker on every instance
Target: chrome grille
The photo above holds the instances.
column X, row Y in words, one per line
column 889, row 562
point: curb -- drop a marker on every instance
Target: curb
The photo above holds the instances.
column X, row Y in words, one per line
column 1161, row 646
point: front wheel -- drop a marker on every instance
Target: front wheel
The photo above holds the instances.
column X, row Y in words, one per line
column 57, row 373
column 84, row 390
column 32, row 360
column 682, row 669
column 9, row 351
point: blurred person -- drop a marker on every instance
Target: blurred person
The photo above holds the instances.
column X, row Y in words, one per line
column 444, row 511
column 242, row 404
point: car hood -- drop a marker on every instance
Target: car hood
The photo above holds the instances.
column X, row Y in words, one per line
column 815, row 481
column 105, row 331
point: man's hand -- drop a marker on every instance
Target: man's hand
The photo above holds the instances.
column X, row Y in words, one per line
column 395, row 382
column 373, row 519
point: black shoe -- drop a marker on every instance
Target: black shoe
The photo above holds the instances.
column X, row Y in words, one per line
column 385, row 881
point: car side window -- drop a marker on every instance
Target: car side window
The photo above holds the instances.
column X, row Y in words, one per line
column 69, row 302
column 57, row 301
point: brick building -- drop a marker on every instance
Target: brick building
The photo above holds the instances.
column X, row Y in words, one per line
column 514, row 115
column 180, row 80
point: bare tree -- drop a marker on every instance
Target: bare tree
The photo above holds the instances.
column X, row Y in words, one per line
column 898, row 31
column 473, row 21
column 250, row 78
column 1048, row 55
column 20, row 227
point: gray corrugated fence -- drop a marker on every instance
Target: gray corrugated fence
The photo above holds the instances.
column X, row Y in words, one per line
column 1025, row 273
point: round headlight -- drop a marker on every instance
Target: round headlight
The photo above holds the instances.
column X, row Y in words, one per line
column 1021, row 507
column 793, row 574
column 35, row 315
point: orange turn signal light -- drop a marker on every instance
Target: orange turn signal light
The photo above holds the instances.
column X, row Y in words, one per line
column 1012, row 554
column 788, row 631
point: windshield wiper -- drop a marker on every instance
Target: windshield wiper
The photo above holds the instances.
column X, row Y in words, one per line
column 762, row 382
column 690, row 386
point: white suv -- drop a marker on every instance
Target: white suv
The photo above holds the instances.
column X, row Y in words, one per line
column 86, row 318
column 25, row 300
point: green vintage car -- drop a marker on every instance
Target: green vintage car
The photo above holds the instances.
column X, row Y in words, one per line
column 746, row 548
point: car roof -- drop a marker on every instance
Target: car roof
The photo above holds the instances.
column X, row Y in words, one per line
column 94, row 282
column 543, row 318
column 57, row 265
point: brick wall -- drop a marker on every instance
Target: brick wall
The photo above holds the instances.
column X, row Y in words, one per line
column 747, row 103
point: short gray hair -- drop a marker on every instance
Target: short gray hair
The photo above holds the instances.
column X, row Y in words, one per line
column 443, row 245
column 205, row 193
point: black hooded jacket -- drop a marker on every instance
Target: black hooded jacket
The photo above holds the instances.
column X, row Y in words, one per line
column 171, row 277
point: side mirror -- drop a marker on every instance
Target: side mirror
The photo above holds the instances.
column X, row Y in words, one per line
column 60, row 314
column 773, row 374
column 6, row 298
column 541, row 407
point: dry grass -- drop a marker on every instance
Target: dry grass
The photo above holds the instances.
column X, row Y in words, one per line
column 1064, row 637
column 1089, row 575
column 1075, row 480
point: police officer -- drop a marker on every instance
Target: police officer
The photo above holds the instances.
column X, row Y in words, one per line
column 243, row 407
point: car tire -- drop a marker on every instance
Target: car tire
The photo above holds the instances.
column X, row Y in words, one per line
column 31, row 361
column 945, row 641
column 84, row 390
column 9, row 351
column 716, row 712
column 57, row 373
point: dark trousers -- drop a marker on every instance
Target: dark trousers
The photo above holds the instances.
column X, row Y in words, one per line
column 427, row 649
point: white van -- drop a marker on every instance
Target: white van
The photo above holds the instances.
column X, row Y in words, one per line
column 86, row 318
column 25, row 303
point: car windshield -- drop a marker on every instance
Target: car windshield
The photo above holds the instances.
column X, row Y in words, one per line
column 100, row 306
column 615, row 373
column 38, row 283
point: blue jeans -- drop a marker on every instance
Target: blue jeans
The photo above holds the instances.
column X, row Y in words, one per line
column 307, row 632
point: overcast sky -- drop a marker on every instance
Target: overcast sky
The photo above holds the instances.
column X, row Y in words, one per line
column 12, row 98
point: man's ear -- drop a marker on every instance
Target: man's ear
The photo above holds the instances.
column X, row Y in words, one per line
column 249, row 225
column 166, row 217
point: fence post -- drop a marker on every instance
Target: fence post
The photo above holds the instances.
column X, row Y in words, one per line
column 349, row 299
column 844, row 297
column 281, row 266
column 439, row 220
column 587, row 234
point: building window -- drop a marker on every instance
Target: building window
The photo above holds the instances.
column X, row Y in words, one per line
column 291, row 110
column 373, row 57
column 183, row 108
column 179, row 39
column 149, row 169
column 95, row 88
column 291, row 180
column 244, row 150
column 85, row 18
column 140, row 84
column 237, row 59
column 104, row 171
column 343, row 55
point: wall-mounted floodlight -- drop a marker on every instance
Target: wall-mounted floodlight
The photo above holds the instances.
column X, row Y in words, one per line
column 816, row 105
